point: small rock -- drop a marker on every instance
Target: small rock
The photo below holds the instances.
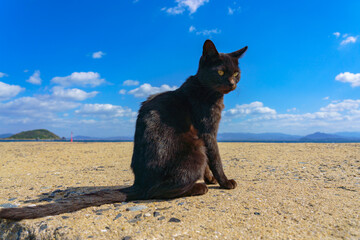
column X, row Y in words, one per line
column 161, row 218
column 117, row 216
column 64, row 217
column 138, row 216
column 156, row 214
column 8, row 205
column 12, row 199
column 147, row 214
column 99, row 211
column 43, row 227
column 135, row 220
column 174, row 220
column 126, row 238
column 182, row 203
column 164, row 208
column 136, row 208
column 256, row 213
column 57, row 229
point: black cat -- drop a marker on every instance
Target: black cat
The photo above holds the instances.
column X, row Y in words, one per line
column 175, row 141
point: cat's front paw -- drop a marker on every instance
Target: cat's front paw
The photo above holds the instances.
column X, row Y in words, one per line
column 230, row 184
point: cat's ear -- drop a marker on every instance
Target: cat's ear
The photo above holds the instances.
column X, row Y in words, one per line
column 209, row 49
column 238, row 53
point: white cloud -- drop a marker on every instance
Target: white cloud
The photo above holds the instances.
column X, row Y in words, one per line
column 253, row 108
column 182, row 5
column 35, row 107
column 326, row 98
column 350, row 39
column 105, row 111
column 131, row 83
column 35, row 78
column 338, row 116
column 98, row 54
column 8, row 91
column 347, row 38
column 232, row 10
column 122, row 91
column 88, row 121
column 72, row 94
column 291, row 109
column 206, row 32
column 337, row 34
column 348, row 77
column 80, row 79
column 347, row 104
column 146, row 89
column 3, row 75
column 35, row 112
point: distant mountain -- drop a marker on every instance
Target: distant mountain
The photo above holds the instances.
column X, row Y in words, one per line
column 257, row 137
column 41, row 134
column 121, row 138
column 85, row 138
column 6, row 135
column 349, row 134
column 323, row 137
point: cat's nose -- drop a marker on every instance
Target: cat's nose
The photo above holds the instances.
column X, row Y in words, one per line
column 232, row 83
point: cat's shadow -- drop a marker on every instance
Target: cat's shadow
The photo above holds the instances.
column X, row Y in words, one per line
column 62, row 194
column 66, row 194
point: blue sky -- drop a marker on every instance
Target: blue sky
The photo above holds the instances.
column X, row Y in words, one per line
column 85, row 66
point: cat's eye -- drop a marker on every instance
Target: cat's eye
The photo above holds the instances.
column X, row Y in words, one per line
column 221, row 72
column 235, row 74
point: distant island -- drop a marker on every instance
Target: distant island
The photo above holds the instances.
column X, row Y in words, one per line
column 38, row 134
column 280, row 137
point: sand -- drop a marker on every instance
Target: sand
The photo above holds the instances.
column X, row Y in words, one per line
column 285, row 191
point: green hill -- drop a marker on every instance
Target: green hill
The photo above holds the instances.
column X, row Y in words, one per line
column 35, row 134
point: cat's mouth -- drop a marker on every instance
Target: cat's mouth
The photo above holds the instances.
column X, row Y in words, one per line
column 226, row 89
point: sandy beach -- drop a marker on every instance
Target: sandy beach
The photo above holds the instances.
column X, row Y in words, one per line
column 285, row 191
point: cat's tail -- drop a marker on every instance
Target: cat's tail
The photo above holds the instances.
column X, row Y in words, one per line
column 71, row 204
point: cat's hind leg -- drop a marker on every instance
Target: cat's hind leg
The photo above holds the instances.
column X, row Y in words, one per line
column 196, row 190
column 208, row 177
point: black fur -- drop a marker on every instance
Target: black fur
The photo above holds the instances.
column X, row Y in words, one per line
column 175, row 141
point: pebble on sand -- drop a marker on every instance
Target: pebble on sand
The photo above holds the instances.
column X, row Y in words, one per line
column 136, row 208
column 176, row 220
